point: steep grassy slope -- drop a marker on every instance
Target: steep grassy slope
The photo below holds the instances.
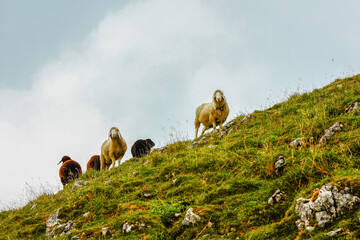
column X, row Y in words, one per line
column 228, row 185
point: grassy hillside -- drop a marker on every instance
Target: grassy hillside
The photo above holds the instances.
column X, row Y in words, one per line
column 227, row 181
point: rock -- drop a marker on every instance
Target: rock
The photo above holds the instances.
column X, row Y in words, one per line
column 127, row 227
column 300, row 224
column 104, row 231
column 160, row 150
column 34, row 206
column 329, row 204
column 333, row 233
column 194, row 144
column 147, row 195
column 53, row 220
column 337, row 127
column 246, row 119
column 203, row 141
column 296, row 143
column 86, row 214
column 352, row 107
column 107, row 182
column 279, row 164
column 79, row 184
column 211, row 146
column 310, row 228
column 278, row 196
column 190, row 217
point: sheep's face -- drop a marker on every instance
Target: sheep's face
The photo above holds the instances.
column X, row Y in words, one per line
column 150, row 143
column 218, row 96
column 114, row 132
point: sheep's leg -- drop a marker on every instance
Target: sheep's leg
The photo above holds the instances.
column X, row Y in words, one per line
column 214, row 126
column 113, row 162
column 197, row 125
column 196, row 131
column 205, row 128
column 220, row 126
column 102, row 163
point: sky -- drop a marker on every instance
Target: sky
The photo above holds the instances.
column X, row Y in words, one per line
column 69, row 71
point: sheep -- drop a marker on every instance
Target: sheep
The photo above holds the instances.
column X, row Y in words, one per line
column 212, row 114
column 94, row 163
column 112, row 149
column 142, row 147
column 69, row 170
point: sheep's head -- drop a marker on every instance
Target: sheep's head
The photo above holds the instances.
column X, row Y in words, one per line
column 150, row 143
column 114, row 133
column 218, row 96
column 64, row 159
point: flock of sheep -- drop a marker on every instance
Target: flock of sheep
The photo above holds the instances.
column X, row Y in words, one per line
column 209, row 114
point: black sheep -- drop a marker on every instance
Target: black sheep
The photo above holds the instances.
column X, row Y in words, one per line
column 94, row 163
column 69, row 170
column 141, row 147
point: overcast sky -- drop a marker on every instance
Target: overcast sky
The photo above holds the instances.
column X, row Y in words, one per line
column 70, row 70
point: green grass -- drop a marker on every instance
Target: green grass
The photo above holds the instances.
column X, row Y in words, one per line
column 228, row 185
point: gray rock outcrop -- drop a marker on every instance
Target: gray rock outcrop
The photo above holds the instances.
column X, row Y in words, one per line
column 329, row 204
column 54, row 222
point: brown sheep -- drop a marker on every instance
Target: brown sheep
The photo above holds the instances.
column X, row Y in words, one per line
column 212, row 114
column 69, row 170
column 112, row 149
column 142, row 147
column 94, row 163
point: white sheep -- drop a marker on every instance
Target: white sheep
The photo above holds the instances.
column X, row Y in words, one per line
column 212, row 114
column 112, row 149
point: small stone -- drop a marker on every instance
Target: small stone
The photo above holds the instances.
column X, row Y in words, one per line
column 190, row 217
column 104, row 231
column 177, row 214
column 147, row 195
column 86, row 214
column 210, row 224
column 79, row 184
column 108, row 182
column 333, row 233
column 195, row 143
column 337, row 127
column 296, row 143
column 279, row 164
column 75, row 238
column 127, row 227
column 211, row 146
column 173, row 181
column 277, row 197
column 310, row 228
